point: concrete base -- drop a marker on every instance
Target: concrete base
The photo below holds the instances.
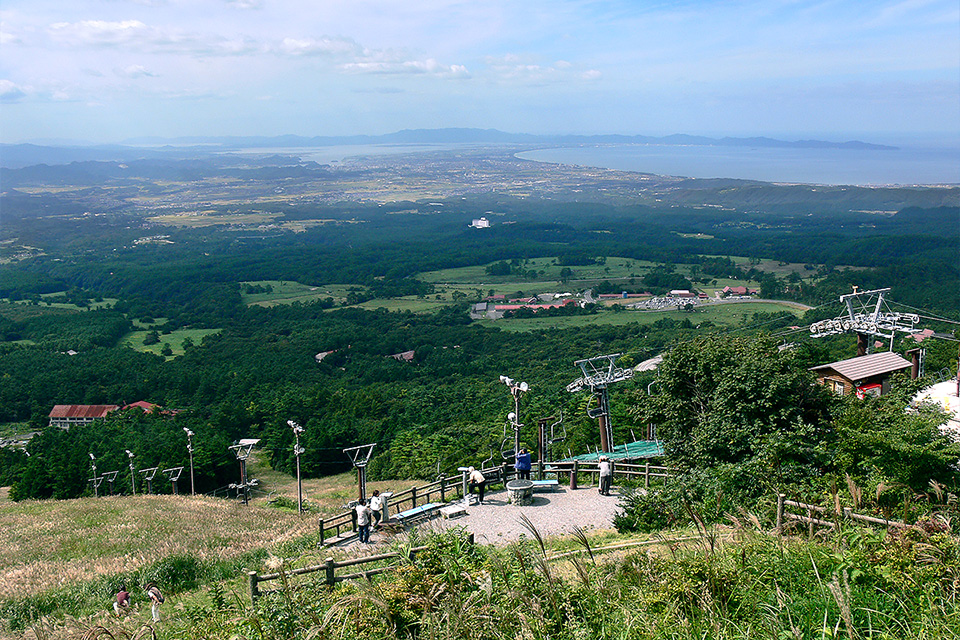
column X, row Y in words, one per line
column 453, row 511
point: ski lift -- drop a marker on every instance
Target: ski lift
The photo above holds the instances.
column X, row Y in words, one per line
column 554, row 428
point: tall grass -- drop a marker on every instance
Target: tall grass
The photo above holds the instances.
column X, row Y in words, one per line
column 743, row 584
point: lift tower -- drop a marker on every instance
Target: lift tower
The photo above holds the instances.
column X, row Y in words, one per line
column 598, row 373
column 867, row 315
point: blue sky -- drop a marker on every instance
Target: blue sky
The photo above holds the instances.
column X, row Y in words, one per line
column 107, row 70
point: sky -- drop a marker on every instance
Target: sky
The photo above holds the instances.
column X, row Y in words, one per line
column 109, row 70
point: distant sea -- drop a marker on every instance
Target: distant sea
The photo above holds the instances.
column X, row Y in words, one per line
column 904, row 165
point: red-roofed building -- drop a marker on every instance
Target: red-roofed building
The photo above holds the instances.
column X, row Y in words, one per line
column 68, row 415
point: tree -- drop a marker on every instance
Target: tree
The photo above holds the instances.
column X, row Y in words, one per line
column 737, row 401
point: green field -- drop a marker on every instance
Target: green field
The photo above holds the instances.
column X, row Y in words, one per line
column 175, row 339
column 726, row 314
column 614, row 268
column 288, row 292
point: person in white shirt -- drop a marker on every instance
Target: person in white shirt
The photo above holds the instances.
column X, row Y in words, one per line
column 478, row 482
column 363, row 521
column 606, row 475
column 376, row 506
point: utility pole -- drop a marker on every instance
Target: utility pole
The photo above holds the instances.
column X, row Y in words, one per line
column 297, row 450
column 189, row 433
column 516, row 390
column 96, row 481
column 133, row 475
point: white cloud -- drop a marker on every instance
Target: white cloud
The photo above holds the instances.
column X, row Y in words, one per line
column 134, row 71
column 100, row 32
column 428, row 67
column 10, row 92
column 320, row 47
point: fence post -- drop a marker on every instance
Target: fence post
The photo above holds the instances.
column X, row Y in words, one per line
column 443, row 488
column 810, row 523
column 331, row 572
column 646, row 475
column 254, row 590
column 573, row 475
column 780, row 498
column 848, row 514
column 320, row 543
column 413, row 497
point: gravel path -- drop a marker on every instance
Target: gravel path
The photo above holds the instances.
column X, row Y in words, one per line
column 555, row 513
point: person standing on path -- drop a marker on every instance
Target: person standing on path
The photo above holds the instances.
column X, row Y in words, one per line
column 363, row 521
column 376, row 507
column 156, row 599
column 522, row 465
column 478, row 482
column 606, row 475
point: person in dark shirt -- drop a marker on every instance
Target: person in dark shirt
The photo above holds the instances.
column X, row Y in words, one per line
column 121, row 604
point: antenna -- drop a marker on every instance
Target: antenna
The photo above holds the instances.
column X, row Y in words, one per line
column 360, row 456
column 598, row 373
column 242, row 450
column 173, row 475
column 867, row 315
column 148, row 475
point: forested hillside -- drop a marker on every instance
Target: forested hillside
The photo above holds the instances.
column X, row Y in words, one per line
column 93, row 254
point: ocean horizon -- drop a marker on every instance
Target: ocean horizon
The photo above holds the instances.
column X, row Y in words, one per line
column 903, row 166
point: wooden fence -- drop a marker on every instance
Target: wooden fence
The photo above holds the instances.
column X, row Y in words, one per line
column 817, row 516
column 329, row 569
column 402, row 500
column 574, row 470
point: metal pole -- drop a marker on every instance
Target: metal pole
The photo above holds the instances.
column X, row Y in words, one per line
column 96, row 486
column 297, row 450
column 189, row 433
column 133, row 479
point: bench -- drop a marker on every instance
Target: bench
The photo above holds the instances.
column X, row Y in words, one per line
column 545, row 485
column 423, row 512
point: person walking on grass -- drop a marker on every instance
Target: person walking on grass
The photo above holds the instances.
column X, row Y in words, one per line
column 606, row 475
column 156, row 599
column 363, row 521
column 121, row 603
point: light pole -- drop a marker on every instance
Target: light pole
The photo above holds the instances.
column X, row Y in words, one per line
column 190, row 451
column 516, row 389
column 133, row 477
column 96, row 485
column 297, row 450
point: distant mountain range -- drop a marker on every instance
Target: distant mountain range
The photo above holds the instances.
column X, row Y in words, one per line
column 23, row 155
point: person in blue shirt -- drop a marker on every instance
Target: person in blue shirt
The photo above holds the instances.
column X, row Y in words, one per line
column 522, row 464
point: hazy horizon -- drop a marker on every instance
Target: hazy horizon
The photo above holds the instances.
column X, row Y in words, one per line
column 105, row 71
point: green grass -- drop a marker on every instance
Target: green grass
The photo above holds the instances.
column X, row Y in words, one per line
column 727, row 314
column 614, row 268
column 288, row 292
column 175, row 339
